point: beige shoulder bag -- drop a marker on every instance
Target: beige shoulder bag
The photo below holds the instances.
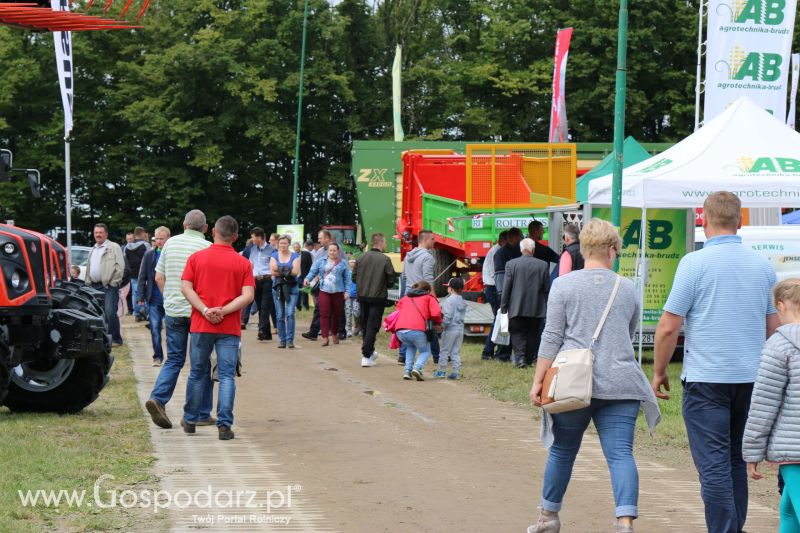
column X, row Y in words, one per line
column 567, row 384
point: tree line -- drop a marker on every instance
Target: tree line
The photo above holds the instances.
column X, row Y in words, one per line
column 198, row 108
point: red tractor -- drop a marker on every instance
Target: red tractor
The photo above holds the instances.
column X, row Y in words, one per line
column 55, row 353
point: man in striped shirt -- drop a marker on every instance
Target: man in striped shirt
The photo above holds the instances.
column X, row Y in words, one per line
column 178, row 313
column 723, row 292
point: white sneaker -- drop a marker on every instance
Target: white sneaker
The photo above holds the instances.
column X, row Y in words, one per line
column 367, row 361
column 374, row 357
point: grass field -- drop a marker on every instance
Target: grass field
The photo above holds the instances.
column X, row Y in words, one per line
column 506, row 383
column 69, row 452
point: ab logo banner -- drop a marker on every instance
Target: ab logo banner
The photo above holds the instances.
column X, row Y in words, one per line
column 748, row 47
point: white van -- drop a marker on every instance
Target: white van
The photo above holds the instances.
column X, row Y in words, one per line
column 779, row 244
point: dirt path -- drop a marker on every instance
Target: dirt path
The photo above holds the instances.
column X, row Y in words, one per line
column 376, row 453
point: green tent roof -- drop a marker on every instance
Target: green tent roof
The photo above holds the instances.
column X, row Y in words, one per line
column 632, row 153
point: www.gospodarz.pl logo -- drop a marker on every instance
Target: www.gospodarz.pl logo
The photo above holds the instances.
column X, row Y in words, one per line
column 267, row 501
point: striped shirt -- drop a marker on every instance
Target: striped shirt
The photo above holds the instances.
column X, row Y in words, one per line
column 171, row 264
column 724, row 293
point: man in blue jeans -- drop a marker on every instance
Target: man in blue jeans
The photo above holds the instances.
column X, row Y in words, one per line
column 218, row 283
column 169, row 270
column 149, row 296
column 723, row 293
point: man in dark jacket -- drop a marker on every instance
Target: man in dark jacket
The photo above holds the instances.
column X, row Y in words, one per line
column 134, row 253
column 571, row 258
column 148, row 294
column 373, row 274
column 543, row 251
column 525, row 289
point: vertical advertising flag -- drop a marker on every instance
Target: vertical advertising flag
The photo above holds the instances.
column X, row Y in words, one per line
column 790, row 118
column 63, row 42
column 748, row 47
column 399, row 135
column 558, row 112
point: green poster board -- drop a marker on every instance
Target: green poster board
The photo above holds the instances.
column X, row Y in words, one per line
column 666, row 245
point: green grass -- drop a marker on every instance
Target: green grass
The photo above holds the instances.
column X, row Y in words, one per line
column 48, row 451
column 506, row 383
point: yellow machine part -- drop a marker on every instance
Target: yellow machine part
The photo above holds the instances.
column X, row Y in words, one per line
column 495, row 175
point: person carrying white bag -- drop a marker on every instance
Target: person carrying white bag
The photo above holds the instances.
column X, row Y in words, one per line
column 576, row 306
column 500, row 333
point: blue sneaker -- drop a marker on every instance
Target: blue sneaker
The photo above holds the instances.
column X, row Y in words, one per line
column 439, row 374
column 453, row 375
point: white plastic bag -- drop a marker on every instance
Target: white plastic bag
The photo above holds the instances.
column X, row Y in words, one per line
column 500, row 333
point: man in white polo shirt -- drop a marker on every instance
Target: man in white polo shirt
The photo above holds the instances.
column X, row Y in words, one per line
column 723, row 292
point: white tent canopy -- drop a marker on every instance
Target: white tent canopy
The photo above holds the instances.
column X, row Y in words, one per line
column 744, row 150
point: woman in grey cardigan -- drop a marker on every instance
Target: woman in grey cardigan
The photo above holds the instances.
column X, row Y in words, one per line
column 772, row 432
column 619, row 387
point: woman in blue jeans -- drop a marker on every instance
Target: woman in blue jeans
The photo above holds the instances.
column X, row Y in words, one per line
column 574, row 309
column 285, row 266
column 417, row 310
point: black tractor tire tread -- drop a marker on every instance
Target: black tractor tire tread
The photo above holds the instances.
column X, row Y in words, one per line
column 88, row 377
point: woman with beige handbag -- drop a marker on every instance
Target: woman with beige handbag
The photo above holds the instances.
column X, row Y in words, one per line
column 591, row 313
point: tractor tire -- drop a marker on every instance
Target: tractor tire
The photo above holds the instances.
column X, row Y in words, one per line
column 62, row 385
column 443, row 268
column 5, row 369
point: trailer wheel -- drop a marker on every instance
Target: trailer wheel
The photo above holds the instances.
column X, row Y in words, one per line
column 443, row 268
column 60, row 385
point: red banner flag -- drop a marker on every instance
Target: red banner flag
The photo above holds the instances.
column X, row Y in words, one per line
column 558, row 113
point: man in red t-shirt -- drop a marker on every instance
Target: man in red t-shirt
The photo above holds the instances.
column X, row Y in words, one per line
column 219, row 283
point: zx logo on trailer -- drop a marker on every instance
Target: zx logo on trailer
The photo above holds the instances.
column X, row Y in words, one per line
column 374, row 177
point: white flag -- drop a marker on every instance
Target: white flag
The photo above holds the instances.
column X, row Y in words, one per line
column 749, row 42
column 790, row 120
column 63, row 42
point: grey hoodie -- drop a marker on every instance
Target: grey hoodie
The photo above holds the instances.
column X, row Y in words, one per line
column 454, row 309
column 418, row 266
column 773, row 425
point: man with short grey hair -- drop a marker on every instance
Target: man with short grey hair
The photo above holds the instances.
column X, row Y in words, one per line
column 525, row 289
column 571, row 258
column 178, row 311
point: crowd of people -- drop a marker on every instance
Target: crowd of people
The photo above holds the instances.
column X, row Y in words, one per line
column 741, row 398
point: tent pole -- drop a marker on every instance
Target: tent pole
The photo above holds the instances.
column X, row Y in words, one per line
column 699, row 84
column 642, row 275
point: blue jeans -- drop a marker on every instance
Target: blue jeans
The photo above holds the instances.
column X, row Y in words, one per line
column 415, row 340
column 137, row 309
column 434, row 348
column 284, row 311
column 490, row 296
column 715, row 415
column 615, row 421
column 110, row 305
column 227, row 347
column 177, row 341
column 155, row 313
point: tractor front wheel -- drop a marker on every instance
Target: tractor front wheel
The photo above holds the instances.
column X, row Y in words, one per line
column 61, row 385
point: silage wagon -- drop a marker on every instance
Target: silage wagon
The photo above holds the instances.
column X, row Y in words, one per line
column 467, row 199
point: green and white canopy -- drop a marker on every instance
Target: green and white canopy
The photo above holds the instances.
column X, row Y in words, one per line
column 744, row 150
